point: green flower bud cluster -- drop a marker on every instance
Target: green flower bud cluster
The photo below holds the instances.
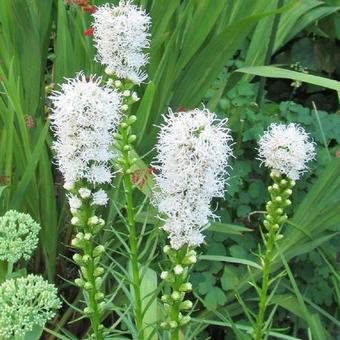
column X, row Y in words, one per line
column 88, row 255
column 175, row 302
column 124, row 138
column 280, row 191
column 18, row 236
column 26, row 302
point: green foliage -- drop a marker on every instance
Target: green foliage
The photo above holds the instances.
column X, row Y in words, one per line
column 196, row 47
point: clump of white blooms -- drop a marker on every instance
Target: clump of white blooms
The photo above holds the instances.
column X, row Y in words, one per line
column 286, row 149
column 84, row 117
column 121, row 35
column 193, row 152
column 26, row 302
column 18, row 236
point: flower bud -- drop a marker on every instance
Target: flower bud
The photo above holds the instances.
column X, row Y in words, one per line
column 173, row 324
column 109, row 71
column 188, row 260
column 185, row 287
column 93, row 220
column 185, row 320
column 131, row 119
column 164, row 275
column 178, row 269
column 279, row 211
column 187, row 304
column 84, row 272
column 79, row 282
column 88, row 310
column 86, row 258
column 118, row 83
column 166, row 249
column 165, row 298
column 126, row 93
column 84, row 193
column 135, row 97
column 74, row 220
column 124, row 107
column 98, row 271
column 278, row 199
column 276, row 226
column 79, row 236
column 132, row 138
column 288, row 192
column 99, row 296
column 87, row 236
column 68, row 186
column 98, row 282
column 98, row 250
column 88, row 286
column 101, row 306
column 164, row 325
column 287, row 202
column 175, row 295
column 77, row 258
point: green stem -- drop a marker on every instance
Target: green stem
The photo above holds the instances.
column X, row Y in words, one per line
column 280, row 191
column 95, row 315
column 175, row 334
column 87, row 259
column 265, row 284
column 132, row 232
column 177, row 276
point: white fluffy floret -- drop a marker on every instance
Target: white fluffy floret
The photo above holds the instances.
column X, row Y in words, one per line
column 100, row 197
column 26, row 302
column 286, row 149
column 84, row 117
column 18, row 236
column 193, row 152
column 121, row 35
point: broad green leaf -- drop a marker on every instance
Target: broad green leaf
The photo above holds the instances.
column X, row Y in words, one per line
column 276, row 72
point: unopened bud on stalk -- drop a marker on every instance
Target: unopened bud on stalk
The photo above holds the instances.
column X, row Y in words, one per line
column 178, row 269
column 74, row 220
column 98, row 250
column 98, row 271
column 185, row 287
column 164, row 275
column 175, row 295
column 187, row 304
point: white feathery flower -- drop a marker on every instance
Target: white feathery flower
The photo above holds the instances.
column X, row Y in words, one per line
column 84, row 193
column 100, row 197
column 84, row 117
column 74, row 202
column 121, row 35
column 193, row 153
column 286, row 149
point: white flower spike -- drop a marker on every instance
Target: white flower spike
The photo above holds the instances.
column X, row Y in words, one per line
column 193, row 152
column 286, row 149
column 84, row 117
column 121, row 35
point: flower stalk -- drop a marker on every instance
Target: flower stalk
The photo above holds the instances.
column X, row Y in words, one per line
column 124, row 140
column 280, row 192
column 88, row 258
column 177, row 280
